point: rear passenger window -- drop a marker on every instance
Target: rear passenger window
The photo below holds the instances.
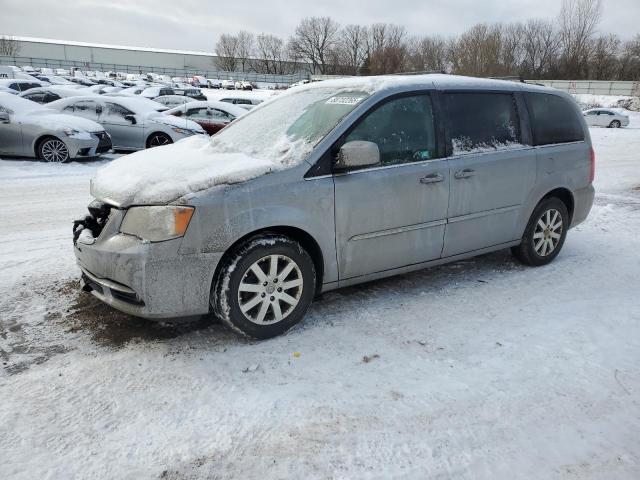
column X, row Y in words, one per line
column 553, row 119
column 403, row 129
column 480, row 122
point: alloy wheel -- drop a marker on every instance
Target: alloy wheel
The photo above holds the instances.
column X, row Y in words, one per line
column 159, row 140
column 54, row 151
column 270, row 289
column 548, row 232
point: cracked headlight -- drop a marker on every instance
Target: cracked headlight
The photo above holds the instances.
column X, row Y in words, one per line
column 157, row 223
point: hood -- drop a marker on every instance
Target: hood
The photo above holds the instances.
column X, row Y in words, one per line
column 53, row 120
column 162, row 174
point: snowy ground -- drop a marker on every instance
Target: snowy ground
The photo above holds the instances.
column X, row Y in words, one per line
column 482, row 369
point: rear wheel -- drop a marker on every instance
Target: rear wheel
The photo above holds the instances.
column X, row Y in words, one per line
column 158, row 139
column 54, row 150
column 545, row 233
column 265, row 287
column 615, row 124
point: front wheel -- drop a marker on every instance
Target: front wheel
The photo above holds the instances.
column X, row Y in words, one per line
column 615, row 124
column 158, row 139
column 53, row 150
column 265, row 287
column 545, row 233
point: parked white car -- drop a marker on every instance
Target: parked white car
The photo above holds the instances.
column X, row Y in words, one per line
column 134, row 123
column 51, row 93
column 28, row 129
column 605, row 117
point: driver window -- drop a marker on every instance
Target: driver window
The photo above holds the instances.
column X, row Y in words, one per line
column 116, row 112
column 403, row 129
column 197, row 113
column 85, row 109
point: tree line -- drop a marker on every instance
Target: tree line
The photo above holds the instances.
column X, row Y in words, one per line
column 566, row 47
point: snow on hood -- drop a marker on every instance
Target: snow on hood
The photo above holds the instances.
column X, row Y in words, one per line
column 53, row 120
column 162, row 174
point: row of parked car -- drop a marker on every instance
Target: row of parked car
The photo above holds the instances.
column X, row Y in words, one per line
column 98, row 77
column 52, row 118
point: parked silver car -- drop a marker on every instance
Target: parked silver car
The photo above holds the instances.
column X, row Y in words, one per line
column 28, row 129
column 604, row 117
column 134, row 123
column 337, row 183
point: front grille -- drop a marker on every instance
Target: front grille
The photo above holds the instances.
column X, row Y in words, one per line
column 94, row 222
column 104, row 141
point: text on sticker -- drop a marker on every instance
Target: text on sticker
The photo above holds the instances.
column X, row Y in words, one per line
column 343, row 100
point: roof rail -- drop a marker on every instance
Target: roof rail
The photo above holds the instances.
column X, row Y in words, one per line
column 511, row 78
column 421, row 72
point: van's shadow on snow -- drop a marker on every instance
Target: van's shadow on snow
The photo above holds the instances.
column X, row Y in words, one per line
column 110, row 327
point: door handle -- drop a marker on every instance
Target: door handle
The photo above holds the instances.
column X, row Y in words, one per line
column 466, row 173
column 432, row 178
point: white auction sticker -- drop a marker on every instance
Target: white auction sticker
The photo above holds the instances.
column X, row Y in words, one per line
column 344, row 100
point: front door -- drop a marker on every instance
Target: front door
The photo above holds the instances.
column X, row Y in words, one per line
column 11, row 142
column 394, row 214
column 119, row 123
column 492, row 172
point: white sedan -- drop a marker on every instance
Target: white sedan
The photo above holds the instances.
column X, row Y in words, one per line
column 605, row 117
column 134, row 123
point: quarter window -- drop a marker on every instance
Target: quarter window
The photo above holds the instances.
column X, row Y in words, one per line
column 553, row 119
column 403, row 129
column 481, row 122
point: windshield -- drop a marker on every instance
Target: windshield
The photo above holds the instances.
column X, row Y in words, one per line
column 16, row 104
column 286, row 129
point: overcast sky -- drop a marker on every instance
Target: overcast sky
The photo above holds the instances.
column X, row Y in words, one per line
column 195, row 25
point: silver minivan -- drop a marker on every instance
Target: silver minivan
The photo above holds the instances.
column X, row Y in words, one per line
column 338, row 183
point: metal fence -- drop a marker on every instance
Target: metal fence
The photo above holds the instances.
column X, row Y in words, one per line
column 140, row 69
column 594, row 87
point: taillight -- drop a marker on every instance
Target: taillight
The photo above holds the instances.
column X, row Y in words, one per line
column 592, row 168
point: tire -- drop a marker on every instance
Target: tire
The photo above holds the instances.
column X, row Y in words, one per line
column 158, row 139
column 53, row 150
column 615, row 124
column 540, row 233
column 249, row 297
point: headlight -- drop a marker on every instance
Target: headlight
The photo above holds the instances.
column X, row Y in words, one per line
column 183, row 131
column 156, row 224
column 73, row 133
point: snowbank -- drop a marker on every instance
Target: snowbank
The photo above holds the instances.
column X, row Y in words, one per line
column 587, row 101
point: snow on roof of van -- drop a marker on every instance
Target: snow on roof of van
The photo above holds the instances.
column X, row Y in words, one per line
column 384, row 82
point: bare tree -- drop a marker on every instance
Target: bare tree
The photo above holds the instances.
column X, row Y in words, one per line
column 540, row 46
column 428, row 54
column 387, row 50
column 477, row 51
column 578, row 21
column 313, row 39
column 271, row 55
column 9, row 46
column 227, row 52
column 246, row 42
column 603, row 64
column 630, row 60
column 352, row 48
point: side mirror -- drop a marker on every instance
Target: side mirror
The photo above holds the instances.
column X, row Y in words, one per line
column 131, row 118
column 356, row 154
column 4, row 117
column 98, row 109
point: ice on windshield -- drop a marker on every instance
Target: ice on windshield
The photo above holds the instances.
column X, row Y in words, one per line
column 285, row 130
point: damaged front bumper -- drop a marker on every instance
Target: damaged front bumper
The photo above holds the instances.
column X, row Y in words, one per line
column 145, row 279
